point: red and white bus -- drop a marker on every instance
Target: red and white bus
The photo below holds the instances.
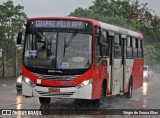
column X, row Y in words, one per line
column 80, row 58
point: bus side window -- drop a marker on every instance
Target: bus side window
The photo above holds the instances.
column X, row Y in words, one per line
column 98, row 53
column 108, row 39
column 134, row 47
column 140, row 49
column 106, row 42
column 117, row 39
column 104, row 34
column 117, row 47
column 129, row 48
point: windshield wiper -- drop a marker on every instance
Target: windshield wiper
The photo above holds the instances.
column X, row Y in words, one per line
column 66, row 45
column 71, row 39
column 64, row 50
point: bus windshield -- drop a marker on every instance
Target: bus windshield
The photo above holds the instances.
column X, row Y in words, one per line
column 57, row 50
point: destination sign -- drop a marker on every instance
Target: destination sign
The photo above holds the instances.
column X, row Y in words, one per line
column 59, row 24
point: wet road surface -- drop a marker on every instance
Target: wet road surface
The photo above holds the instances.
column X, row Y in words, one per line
column 146, row 97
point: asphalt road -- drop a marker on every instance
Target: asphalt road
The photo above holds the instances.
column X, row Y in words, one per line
column 146, row 97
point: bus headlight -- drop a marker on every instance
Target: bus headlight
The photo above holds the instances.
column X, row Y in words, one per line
column 84, row 83
column 19, row 80
column 145, row 74
column 29, row 82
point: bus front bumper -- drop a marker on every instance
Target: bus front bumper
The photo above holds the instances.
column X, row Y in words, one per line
column 55, row 92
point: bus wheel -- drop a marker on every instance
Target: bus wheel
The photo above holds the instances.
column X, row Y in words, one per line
column 77, row 102
column 44, row 100
column 19, row 91
column 129, row 93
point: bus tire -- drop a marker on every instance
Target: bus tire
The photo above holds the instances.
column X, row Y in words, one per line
column 129, row 93
column 19, row 91
column 78, row 102
column 44, row 100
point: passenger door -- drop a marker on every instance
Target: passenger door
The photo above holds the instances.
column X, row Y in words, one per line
column 117, row 65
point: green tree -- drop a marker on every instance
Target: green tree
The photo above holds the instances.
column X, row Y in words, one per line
column 109, row 11
column 12, row 19
column 113, row 12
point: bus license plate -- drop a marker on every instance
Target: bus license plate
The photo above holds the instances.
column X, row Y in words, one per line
column 54, row 90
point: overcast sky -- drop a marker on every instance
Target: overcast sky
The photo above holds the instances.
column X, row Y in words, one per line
column 35, row 8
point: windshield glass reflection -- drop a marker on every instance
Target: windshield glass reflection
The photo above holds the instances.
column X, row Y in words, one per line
column 58, row 50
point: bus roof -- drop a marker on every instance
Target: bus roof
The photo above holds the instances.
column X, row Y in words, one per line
column 94, row 22
column 64, row 18
column 120, row 30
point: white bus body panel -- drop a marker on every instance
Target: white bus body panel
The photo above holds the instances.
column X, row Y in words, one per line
column 117, row 77
column 129, row 66
column 67, row 92
column 109, row 74
column 119, row 30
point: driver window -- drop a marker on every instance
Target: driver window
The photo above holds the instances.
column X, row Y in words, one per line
column 43, row 51
column 98, row 55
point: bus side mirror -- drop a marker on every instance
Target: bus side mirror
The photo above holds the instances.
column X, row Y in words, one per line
column 19, row 38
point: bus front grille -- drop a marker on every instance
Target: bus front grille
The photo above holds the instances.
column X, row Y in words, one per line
column 55, row 77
